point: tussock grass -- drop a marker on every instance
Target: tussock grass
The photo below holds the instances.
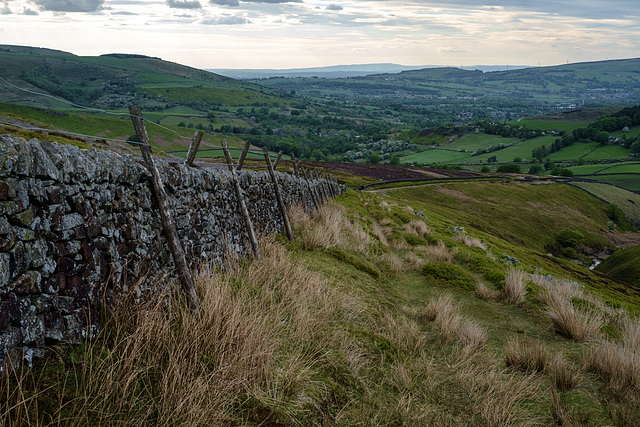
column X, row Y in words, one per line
column 329, row 227
column 472, row 242
column 486, row 294
column 618, row 362
column 438, row 252
column 562, row 375
column 515, row 287
column 451, row 324
column 417, row 228
column 393, row 262
column 414, row 261
column 527, row 355
column 578, row 325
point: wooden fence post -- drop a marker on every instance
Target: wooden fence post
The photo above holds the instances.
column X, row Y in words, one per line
column 315, row 195
column 245, row 150
column 275, row 164
column 311, row 192
column 241, row 202
column 283, row 208
column 179, row 259
column 193, row 148
column 296, row 171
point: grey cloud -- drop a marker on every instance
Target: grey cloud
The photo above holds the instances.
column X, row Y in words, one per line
column 272, row 1
column 226, row 20
column 334, row 7
column 231, row 3
column 184, row 4
column 5, row 10
column 70, row 5
column 592, row 9
column 30, row 12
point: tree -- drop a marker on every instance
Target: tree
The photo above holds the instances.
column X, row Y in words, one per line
column 557, row 171
column 535, row 169
column 512, row 168
column 602, row 137
column 548, row 165
column 395, row 160
column 373, row 159
column 485, row 168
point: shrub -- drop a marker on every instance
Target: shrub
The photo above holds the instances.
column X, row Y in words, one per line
column 535, row 169
column 569, row 237
column 447, row 274
column 512, row 168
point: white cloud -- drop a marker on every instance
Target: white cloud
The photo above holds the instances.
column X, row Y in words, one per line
column 225, row 20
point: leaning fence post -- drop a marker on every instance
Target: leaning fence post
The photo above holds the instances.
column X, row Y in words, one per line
column 179, row 259
column 245, row 150
column 283, row 208
column 241, row 202
column 275, row 163
column 193, row 148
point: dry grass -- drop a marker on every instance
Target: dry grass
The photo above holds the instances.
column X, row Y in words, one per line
column 578, row 325
column 438, row 252
column 417, row 228
column 393, row 261
column 515, row 286
column 618, row 362
column 414, row 262
column 328, row 227
column 161, row 364
column 486, row 294
column 472, row 242
column 527, row 355
column 451, row 324
column 562, row 375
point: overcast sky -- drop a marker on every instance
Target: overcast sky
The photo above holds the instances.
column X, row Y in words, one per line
column 308, row 33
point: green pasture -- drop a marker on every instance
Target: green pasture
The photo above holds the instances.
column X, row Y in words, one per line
column 547, row 125
column 588, row 169
column 608, row 152
column 627, row 181
column 435, row 155
column 521, row 149
column 630, row 167
column 475, row 141
column 573, row 152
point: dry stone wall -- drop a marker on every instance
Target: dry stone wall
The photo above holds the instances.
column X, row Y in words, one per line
column 77, row 226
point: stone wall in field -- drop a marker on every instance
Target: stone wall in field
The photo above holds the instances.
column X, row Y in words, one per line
column 79, row 226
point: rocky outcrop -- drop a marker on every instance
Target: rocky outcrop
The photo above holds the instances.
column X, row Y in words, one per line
column 78, row 227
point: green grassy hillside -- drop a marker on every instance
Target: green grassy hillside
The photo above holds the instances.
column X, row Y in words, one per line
column 624, row 265
column 382, row 312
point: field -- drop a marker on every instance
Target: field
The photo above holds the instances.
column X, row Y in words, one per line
column 435, row 155
column 574, row 152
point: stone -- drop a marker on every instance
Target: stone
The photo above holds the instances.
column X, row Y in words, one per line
column 8, row 155
column 70, row 221
column 28, row 283
column 5, row 270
